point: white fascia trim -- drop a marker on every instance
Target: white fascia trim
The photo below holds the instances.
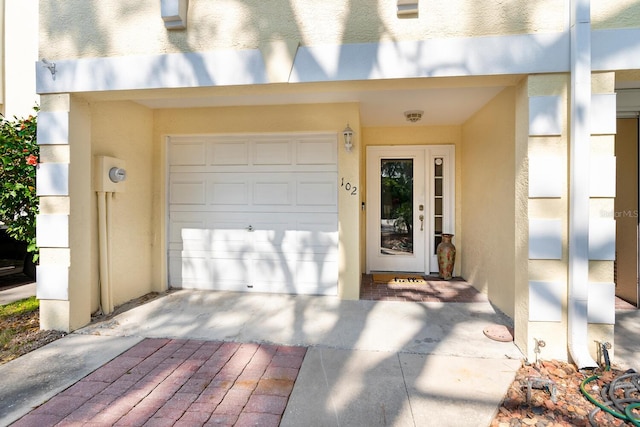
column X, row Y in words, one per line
column 175, row 70
column 515, row 54
column 454, row 57
column 615, row 49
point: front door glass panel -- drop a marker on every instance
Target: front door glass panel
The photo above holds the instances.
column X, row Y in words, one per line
column 396, row 206
column 438, row 199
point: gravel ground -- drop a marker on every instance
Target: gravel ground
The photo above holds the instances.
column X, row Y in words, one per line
column 28, row 336
column 568, row 406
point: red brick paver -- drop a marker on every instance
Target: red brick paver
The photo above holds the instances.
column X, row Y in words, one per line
column 161, row 382
column 433, row 289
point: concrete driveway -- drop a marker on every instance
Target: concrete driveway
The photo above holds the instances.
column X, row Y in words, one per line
column 367, row 363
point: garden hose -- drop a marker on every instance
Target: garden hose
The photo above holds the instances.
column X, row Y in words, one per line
column 630, row 384
column 622, row 408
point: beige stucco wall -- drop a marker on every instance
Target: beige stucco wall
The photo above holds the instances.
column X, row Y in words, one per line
column 124, row 130
column 18, row 53
column 521, row 246
column 417, row 135
column 136, row 135
column 488, row 200
column 259, row 119
column 606, row 14
column 70, row 314
column 552, row 333
column 121, row 130
column 78, row 28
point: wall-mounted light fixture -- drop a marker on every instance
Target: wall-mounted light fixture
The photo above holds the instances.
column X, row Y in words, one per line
column 51, row 66
column 413, row 115
column 347, row 133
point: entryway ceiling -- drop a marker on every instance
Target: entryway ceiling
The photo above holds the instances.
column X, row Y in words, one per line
column 445, row 101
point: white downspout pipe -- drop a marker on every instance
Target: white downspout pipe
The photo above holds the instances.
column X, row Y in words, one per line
column 103, row 241
column 579, row 141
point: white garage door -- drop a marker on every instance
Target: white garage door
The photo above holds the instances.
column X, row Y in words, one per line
column 254, row 213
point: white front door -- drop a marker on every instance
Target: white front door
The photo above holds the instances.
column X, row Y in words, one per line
column 409, row 206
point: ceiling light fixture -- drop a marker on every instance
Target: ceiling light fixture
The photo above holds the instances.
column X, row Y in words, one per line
column 413, row 115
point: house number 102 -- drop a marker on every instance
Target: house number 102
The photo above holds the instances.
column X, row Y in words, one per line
column 349, row 188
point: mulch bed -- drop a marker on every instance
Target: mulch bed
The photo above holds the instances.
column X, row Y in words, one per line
column 569, row 407
column 27, row 337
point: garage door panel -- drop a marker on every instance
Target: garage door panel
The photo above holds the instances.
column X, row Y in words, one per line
column 230, row 241
column 316, row 190
column 198, row 221
column 227, row 193
column 175, row 268
column 187, row 192
column 270, row 239
column 187, row 153
column 317, row 277
column 275, row 232
column 272, row 152
column 316, row 151
column 214, row 272
column 228, row 153
column 274, row 191
column 177, row 226
column 272, row 267
column 317, row 233
column 251, row 209
column 268, row 222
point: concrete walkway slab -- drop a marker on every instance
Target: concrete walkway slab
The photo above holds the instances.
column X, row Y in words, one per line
column 37, row 376
column 17, row 293
column 414, row 327
column 349, row 388
column 626, row 347
column 365, row 388
column 456, row 391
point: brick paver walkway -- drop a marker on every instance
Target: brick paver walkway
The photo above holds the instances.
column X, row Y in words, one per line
column 162, row 382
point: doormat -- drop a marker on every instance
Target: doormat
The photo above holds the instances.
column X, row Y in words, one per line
column 413, row 279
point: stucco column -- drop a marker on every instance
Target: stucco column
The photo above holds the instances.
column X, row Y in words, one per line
column 545, row 289
column 543, row 331
column 602, row 215
column 64, row 223
column 349, row 208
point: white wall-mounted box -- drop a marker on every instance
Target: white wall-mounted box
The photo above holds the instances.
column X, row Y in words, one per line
column 101, row 179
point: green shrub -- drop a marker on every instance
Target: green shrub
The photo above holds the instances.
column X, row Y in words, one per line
column 19, row 160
